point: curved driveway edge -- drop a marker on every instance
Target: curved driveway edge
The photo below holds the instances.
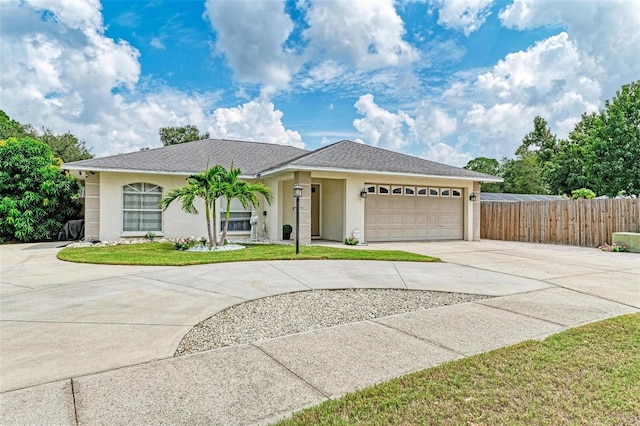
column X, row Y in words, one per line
column 58, row 325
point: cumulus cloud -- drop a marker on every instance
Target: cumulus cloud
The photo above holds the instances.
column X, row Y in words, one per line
column 381, row 127
column 67, row 75
column 443, row 153
column 251, row 35
column 256, row 120
column 364, row 34
column 462, row 15
column 425, row 129
column 497, row 108
column 605, row 33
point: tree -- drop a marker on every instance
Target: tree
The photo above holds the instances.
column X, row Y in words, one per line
column 177, row 135
column 489, row 166
column 613, row 160
column 65, row 146
column 36, row 196
column 525, row 173
column 602, row 151
column 566, row 171
column 235, row 188
column 522, row 176
column 206, row 186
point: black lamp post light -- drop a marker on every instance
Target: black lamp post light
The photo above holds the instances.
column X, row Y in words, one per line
column 297, row 193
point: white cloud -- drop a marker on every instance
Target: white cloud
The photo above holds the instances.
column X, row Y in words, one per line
column 424, row 129
column 252, row 36
column 463, row 15
column 443, row 153
column 158, row 44
column 364, row 34
column 65, row 74
column 381, row 127
column 256, row 120
column 604, row 32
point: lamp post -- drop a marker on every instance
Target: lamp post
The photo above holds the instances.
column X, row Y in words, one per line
column 297, row 193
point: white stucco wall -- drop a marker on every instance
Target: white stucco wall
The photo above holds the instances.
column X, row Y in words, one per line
column 342, row 208
column 175, row 222
column 332, row 208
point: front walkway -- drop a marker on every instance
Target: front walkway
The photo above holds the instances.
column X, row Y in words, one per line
column 87, row 344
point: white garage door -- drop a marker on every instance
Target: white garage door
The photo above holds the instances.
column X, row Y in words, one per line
column 403, row 217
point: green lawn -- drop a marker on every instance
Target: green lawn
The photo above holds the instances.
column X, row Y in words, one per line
column 164, row 254
column 584, row 376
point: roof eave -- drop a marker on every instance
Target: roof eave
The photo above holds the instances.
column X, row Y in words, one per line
column 374, row 172
column 146, row 172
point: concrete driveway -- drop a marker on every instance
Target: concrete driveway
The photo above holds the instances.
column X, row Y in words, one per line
column 60, row 321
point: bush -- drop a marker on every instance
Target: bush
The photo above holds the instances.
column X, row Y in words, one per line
column 36, row 196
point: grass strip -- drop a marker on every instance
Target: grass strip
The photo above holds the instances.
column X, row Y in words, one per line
column 586, row 375
column 164, row 254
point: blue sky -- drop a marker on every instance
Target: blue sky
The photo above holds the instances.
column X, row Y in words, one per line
column 444, row 80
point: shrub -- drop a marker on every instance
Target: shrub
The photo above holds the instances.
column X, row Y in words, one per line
column 186, row 243
column 350, row 241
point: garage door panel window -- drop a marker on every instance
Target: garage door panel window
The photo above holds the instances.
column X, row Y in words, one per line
column 383, row 189
column 456, row 192
column 140, row 210
column 434, row 192
column 396, row 190
column 445, row 192
column 422, row 191
column 371, row 189
column 409, row 190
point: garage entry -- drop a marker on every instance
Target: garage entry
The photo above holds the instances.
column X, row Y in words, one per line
column 396, row 213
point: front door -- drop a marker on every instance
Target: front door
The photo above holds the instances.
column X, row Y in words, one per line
column 315, row 210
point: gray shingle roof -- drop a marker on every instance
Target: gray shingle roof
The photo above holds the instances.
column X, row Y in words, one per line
column 348, row 155
column 256, row 157
column 194, row 157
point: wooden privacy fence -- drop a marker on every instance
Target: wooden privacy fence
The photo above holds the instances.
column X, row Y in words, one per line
column 572, row 222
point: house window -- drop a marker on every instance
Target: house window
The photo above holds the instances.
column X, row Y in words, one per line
column 409, row 190
column 383, row 189
column 239, row 217
column 140, row 210
column 396, row 190
column 422, row 191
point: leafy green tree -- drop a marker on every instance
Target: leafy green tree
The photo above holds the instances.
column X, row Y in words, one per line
column 525, row 173
column 65, row 146
column 613, row 160
column 566, row 171
column 10, row 128
column 177, row 135
column 522, row 176
column 36, row 196
column 235, row 188
column 206, row 186
column 490, row 166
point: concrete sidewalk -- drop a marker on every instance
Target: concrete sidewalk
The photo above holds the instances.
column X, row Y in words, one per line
column 128, row 375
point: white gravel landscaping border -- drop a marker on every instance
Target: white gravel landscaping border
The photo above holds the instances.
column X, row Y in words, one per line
column 293, row 313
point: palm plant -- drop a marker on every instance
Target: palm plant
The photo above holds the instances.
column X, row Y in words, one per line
column 207, row 186
column 235, row 188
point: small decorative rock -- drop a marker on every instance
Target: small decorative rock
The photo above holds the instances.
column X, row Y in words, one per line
column 308, row 310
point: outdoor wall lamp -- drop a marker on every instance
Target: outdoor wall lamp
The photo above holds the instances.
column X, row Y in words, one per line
column 297, row 193
column 363, row 193
column 472, row 197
